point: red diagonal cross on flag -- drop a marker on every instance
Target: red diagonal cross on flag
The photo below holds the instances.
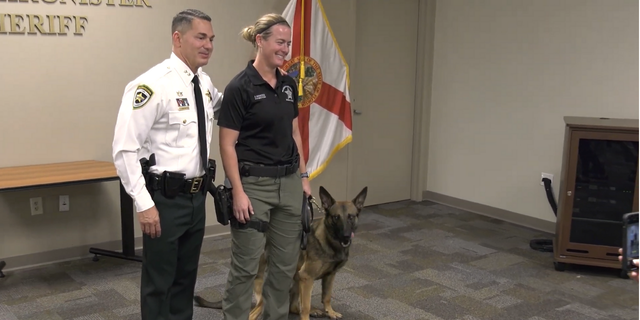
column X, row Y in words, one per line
column 316, row 63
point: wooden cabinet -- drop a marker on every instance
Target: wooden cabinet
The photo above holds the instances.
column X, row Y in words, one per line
column 599, row 183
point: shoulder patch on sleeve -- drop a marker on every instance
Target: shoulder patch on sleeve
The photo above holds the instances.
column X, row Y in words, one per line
column 141, row 96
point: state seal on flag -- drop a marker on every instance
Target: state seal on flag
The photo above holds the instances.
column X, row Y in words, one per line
column 312, row 81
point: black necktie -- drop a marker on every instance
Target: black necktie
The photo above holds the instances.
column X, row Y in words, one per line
column 202, row 135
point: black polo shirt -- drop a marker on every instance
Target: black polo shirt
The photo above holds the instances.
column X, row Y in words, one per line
column 263, row 115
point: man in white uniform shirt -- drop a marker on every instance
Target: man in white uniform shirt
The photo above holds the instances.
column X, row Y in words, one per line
column 168, row 111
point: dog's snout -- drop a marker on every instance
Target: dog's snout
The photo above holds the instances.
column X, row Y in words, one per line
column 346, row 231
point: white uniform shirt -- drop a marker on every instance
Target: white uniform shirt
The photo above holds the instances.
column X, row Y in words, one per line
column 158, row 115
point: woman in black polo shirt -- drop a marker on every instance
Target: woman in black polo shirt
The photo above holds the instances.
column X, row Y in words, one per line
column 259, row 143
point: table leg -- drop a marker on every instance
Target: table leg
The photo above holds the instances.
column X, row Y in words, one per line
column 2, row 265
column 128, row 238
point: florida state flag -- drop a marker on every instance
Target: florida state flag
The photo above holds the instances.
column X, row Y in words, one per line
column 322, row 74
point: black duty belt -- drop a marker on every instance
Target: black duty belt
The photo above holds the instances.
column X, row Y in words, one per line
column 189, row 186
column 251, row 170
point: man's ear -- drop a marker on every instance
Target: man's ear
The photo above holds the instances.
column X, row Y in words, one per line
column 326, row 199
column 358, row 201
column 176, row 39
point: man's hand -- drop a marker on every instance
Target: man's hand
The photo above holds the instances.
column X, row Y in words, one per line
column 241, row 206
column 306, row 187
column 150, row 222
column 634, row 274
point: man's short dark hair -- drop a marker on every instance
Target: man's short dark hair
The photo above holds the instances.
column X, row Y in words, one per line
column 182, row 21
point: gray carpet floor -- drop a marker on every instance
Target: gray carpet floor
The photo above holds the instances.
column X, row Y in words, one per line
column 408, row 261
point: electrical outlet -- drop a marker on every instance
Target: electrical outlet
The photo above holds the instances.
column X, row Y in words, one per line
column 64, row 203
column 546, row 175
column 36, row 206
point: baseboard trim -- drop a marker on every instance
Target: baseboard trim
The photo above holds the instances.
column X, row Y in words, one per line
column 493, row 212
column 34, row 260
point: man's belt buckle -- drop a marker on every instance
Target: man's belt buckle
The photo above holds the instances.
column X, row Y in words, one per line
column 195, row 185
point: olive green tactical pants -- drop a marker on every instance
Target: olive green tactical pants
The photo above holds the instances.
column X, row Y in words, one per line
column 170, row 262
column 278, row 201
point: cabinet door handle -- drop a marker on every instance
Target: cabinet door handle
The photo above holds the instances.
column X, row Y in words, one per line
column 356, row 111
column 568, row 193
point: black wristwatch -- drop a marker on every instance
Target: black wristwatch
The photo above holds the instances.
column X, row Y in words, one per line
column 304, row 175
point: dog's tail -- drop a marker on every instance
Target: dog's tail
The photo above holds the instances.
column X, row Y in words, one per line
column 204, row 303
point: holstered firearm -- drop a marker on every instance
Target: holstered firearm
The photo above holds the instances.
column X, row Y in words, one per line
column 223, row 202
column 307, row 218
column 146, row 164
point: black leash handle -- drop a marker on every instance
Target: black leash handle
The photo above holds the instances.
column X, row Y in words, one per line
column 307, row 219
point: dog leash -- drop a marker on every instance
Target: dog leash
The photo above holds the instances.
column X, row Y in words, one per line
column 313, row 201
column 306, row 224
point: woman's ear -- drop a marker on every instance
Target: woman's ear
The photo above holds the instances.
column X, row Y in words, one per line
column 259, row 40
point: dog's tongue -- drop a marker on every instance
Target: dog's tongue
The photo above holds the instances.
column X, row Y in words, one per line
column 352, row 235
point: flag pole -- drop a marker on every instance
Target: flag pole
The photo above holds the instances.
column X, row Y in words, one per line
column 300, row 88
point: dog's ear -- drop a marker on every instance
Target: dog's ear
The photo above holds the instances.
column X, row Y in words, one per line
column 358, row 201
column 326, row 199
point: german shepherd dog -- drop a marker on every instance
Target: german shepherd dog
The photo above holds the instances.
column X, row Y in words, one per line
column 327, row 252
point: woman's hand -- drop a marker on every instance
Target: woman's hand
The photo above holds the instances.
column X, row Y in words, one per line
column 242, row 206
column 306, row 187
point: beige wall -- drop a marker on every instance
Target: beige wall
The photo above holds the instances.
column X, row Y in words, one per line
column 505, row 74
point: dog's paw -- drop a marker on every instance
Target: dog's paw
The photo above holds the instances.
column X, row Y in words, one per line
column 334, row 315
column 317, row 313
